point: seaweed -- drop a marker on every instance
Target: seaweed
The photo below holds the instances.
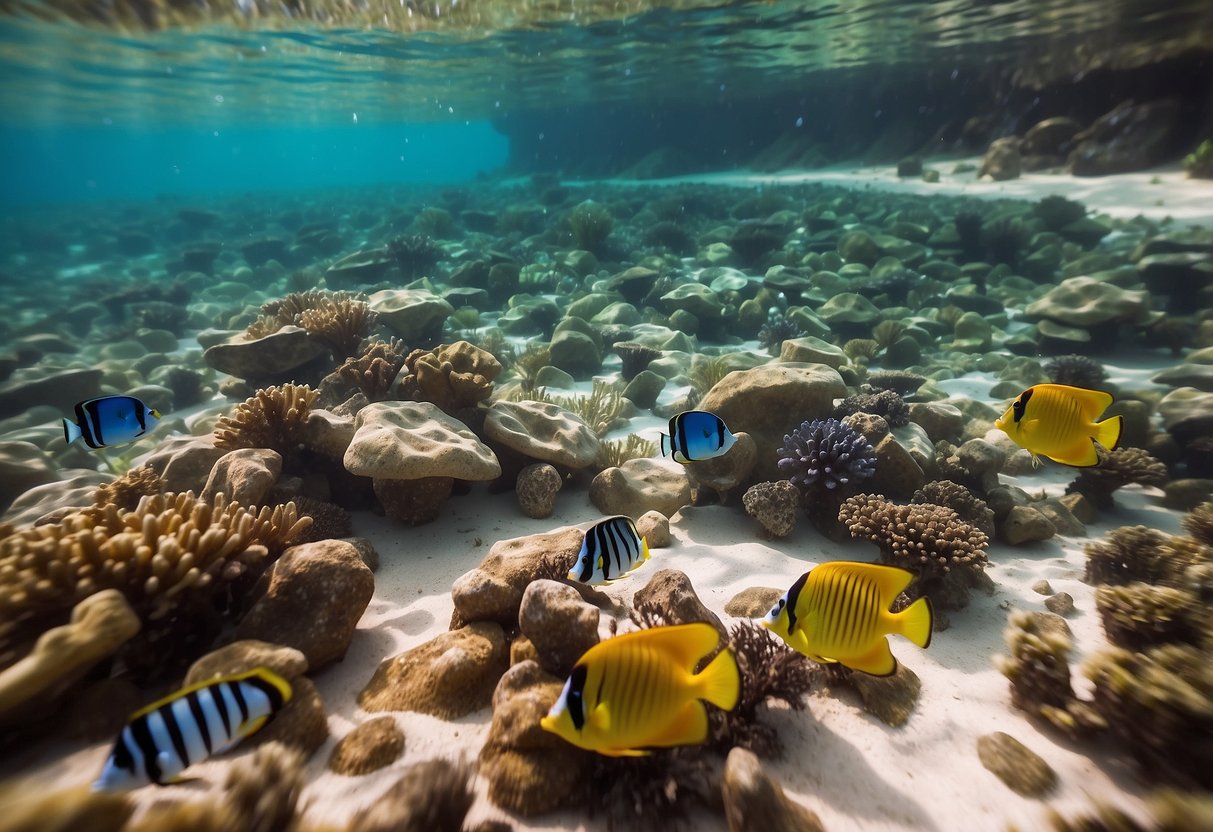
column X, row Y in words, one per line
column 614, row 452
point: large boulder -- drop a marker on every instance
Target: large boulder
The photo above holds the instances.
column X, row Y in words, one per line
column 1130, row 137
column 641, row 485
column 270, row 357
column 493, row 591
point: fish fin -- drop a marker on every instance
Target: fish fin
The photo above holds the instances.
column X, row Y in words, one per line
column 644, row 549
column 878, row 661
column 253, row 727
column 71, row 431
column 262, row 672
column 665, row 445
column 686, row 644
column 1091, row 403
column 720, row 681
column 1108, row 432
column 679, row 456
column 914, row 622
column 623, row 752
column 180, row 780
column 1081, row 455
column 688, row 727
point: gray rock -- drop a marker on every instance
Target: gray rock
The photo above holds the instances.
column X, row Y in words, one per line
column 753, row 800
column 269, row 357
column 644, row 389
column 1061, row 604
column 1025, row 524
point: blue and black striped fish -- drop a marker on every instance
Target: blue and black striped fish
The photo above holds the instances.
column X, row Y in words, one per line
column 168, row 736
column 611, row 547
column 696, row 435
column 110, row 420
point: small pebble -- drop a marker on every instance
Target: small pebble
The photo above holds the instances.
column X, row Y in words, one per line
column 1062, row 603
column 1042, row 587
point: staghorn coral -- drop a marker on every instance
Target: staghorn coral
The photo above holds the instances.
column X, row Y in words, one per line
column 634, row 358
column 946, row 553
column 1199, row 523
column 776, row 330
column 770, row 672
column 170, row 556
column 1159, row 705
column 1138, row 615
column 600, row 410
column 1076, row 371
column 773, row 504
column 126, row 491
column 451, row 376
column 375, row 369
column 1121, row 467
column 824, row 455
column 961, row 500
column 339, row 320
column 274, row 418
column 884, row 403
column 614, row 452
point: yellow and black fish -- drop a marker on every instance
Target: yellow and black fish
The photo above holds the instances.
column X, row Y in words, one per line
column 640, row 691
column 165, row 738
column 839, row 612
column 1058, row 422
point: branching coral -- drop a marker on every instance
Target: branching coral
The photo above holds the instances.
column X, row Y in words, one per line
column 1137, row 615
column 171, row 554
column 341, row 321
column 276, row 314
column 274, row 418
column 770, row 672
column 775, row 331
column 451, row 376
column 825, row 454
column 1076, row 371
column 634, row 358
column 946, row 553
column 1121, row 467
column 600, row 410
column 375, row 369
column 614, row 452
column 884, row 403
column 961, row 500
column 126, row 491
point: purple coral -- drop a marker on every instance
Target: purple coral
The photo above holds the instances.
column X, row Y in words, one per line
column 826, row 453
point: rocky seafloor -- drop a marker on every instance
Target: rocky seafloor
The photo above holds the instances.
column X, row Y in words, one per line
column 352, row 379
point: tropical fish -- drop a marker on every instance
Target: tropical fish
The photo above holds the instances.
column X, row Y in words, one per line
column 696, row 435
column 110, row 420
column 839, row 613
column 163, row 739
column 611, row 548
column 1058, row 422
column 639, row 691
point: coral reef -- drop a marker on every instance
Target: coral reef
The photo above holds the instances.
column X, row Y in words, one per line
column 341, row 321
column 274, row 418
column 414, row 254
column 452, row 376
column 901, row 382
column 825, row 454
column 374, row 370
column 1138, row 615
column 1076, row 371
column 775, row 331
column 946, row 553
column 634, row 357
column 961, row 500
column 1128, row 554
column 884, row 403
column 1121, row 467
column 1039, row 671
column 126, row 491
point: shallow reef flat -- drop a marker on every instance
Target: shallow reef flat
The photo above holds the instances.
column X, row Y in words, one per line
column 390, row 414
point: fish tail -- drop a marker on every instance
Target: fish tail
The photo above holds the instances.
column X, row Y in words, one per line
column 720, row 681
column 644, row 548
column 270, row 677
column 1107, row 432
column 914, row 622
column 665, row 444
column 71, row 431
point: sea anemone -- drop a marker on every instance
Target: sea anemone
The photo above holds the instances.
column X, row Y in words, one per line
column 826, row 454
column 776, row 330
column 1076, row 371
column 634, row 357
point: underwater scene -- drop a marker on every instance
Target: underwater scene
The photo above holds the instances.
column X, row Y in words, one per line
column 473, row 416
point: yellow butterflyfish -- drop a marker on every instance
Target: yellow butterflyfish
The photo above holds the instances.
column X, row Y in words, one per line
column 1058, row 422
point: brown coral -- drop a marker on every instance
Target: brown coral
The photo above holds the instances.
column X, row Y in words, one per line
column 1199, row 523
column 946, row 553
column 126, row 491
column 375, row 369
column 452, row 376
column 274, row 418
column 339, row 320
column 276, row 314
column 1139, row 553
column 171, row 553
column 969, row 507
column 1138, row 615
column 1121, row 467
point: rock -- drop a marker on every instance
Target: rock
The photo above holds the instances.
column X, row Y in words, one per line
column 1025, row 524
column 1047, row 622
column 640, row 485
column 753, row 602
column 891, row 699
column 493, row 590
column 449, row 676
column 369, row 747
column 413, row 314
column 696, row 299
column 328, row 433
column 559, row 624
column 302, row 723
column 1080, row 507
column 654, row 527
column 536, row 489
column 897, row 475
column 1061, row 604
column 1042, row 587
column 269, row 358
column 755, row 801
column 1199, row 376
column 1084, row 302
column 972, row 333
column 724, row 473
column 775, row 505
column 1022, row 770
column 60, row 389
column 555, row 378
column 243, row 476
column 850, row 308
column 1002, row 160
column 981, row 457
column 644, row 388
column 940, row 420
column 184, row 462
column 23, row 466
column 1050, row 137
column 670, row 594
column 910, row 166
column 315, row 596
column 1186, row 494
column 544, row 432
column 1064, row 522
column 100, row 624
column 810, row 350
column 431, row 796
column 1187, row 413
column 575, row 353
column 529, row 770
column 770, row 401
column 1130, row 137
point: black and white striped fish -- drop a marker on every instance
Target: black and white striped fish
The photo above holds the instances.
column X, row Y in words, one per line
column 611, row 548
column 168, row 736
